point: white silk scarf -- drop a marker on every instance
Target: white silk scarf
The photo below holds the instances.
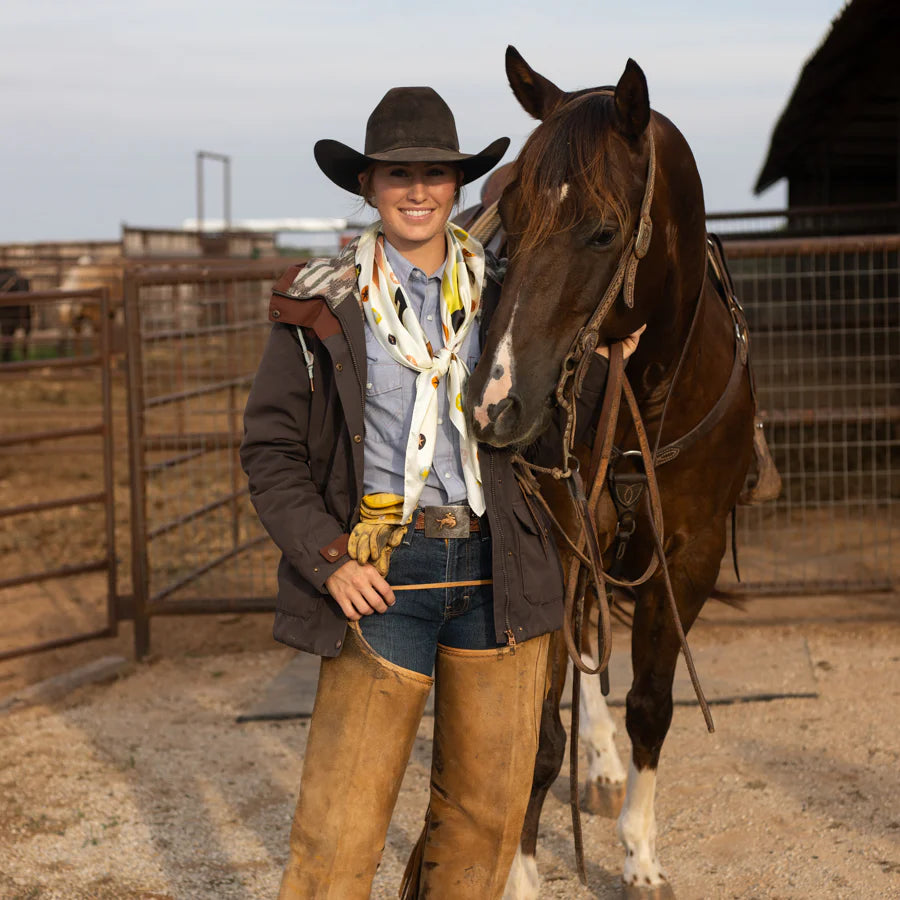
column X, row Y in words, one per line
column 396, row 327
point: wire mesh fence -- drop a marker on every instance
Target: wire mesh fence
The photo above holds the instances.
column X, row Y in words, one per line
column 825, row 342
column 825, row 331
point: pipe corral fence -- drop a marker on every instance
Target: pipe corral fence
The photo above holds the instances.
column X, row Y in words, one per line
column 824, row 316
column 57, row 501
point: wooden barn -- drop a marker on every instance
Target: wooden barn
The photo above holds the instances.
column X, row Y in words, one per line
column 837, row 141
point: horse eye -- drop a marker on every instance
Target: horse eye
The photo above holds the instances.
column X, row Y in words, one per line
column 602, row 238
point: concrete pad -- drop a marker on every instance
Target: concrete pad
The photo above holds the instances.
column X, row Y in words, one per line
column 734, row 672
column 99, row 670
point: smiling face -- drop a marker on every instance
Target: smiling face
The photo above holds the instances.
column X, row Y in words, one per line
column 414, row 201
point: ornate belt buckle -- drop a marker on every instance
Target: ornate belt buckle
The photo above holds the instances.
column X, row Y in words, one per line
column 447, row 521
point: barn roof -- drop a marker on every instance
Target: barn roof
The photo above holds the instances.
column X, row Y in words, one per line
column 847, row 99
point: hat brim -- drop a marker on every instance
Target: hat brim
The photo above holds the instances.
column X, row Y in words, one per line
column 343, row 165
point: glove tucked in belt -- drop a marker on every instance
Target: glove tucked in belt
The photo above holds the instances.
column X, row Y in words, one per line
column 379, row 530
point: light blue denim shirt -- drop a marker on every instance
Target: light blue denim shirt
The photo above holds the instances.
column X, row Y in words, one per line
column 391, row 393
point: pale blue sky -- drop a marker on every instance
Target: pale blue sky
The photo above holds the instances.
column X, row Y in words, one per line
column 104, row 103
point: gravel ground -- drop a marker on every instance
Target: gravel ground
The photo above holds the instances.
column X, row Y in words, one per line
column 147, row 788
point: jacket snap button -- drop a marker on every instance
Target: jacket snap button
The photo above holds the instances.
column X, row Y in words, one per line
column 332, row 552
column 276, row 313
column 357, row 438
column 339, row 367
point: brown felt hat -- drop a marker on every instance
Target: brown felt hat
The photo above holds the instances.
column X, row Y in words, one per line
column 410, row 124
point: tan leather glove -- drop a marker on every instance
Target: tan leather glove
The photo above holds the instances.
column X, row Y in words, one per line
column 379, row 531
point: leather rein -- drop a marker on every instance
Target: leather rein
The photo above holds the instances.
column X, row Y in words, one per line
column 586, row 565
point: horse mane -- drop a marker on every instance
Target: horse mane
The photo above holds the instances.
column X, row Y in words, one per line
column 575, row 147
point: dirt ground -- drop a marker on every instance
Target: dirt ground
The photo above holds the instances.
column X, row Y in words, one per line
column 147, row 788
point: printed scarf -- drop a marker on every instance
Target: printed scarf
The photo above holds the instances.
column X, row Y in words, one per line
column 397, row 329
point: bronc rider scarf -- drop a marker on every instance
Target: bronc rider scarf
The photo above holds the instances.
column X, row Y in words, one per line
column 397, row 329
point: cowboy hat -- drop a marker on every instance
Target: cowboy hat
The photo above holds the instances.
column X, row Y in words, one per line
column 410, row 124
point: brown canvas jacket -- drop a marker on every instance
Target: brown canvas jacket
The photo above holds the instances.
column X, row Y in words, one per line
column 303, row 454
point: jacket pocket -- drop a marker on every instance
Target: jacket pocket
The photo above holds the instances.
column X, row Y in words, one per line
column 537, row 559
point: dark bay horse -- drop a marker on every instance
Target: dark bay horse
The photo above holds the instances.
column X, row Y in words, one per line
column 13, row 317
column 572, row 214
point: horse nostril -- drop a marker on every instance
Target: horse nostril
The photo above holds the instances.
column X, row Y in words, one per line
column 505, row 413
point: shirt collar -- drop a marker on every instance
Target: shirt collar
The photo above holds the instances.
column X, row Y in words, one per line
column 403, row 268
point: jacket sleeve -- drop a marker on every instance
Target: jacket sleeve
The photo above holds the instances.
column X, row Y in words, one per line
column 547, row 450
column 275, row 456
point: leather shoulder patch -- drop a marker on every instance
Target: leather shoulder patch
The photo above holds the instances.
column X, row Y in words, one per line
column 313, row 314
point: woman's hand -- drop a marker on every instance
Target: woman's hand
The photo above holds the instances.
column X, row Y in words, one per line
column 359, row 590
column 629, row 344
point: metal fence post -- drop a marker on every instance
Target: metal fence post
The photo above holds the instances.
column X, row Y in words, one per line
column 138, row 489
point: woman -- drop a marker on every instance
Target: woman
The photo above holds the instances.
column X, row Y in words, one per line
column 409, row 554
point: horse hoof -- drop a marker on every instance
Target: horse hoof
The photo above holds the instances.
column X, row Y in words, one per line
column 662, row 891
column 601, row 799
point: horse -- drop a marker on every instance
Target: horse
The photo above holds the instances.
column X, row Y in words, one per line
column 605, row 201
column 14, row 317
column 80, row 317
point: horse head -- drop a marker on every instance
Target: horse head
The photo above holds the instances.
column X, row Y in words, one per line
column 571, row 210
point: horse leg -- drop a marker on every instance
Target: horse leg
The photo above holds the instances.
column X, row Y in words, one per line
column 655, row 646
column 604, row 788
column 524, row 882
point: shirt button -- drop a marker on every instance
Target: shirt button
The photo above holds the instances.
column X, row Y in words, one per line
column 448, row 474
column 340, row 367
column 357, row 438
column 430, row 318
column 368, row 385
column 440, row 421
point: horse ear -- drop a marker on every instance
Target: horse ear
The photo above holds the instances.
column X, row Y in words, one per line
column 538, row 96
column 632, row 101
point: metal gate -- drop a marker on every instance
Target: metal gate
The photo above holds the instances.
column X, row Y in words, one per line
column 57, row 531
column 194, row 338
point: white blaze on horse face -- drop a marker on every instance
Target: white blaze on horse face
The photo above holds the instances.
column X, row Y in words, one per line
column 637, row 829
column 500, row 381
column 523, row 883
column 597, row 731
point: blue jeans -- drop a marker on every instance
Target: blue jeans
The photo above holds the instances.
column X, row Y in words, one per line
column 463, row 617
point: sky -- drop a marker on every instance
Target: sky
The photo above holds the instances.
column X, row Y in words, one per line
column 104, row 104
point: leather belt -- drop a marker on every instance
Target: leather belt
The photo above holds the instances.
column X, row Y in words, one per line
column 447, row 521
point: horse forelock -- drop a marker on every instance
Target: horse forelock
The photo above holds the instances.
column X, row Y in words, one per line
column 571, row 171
